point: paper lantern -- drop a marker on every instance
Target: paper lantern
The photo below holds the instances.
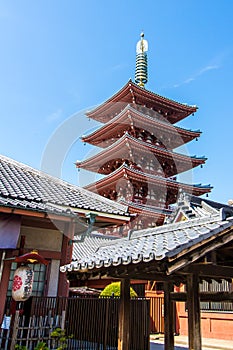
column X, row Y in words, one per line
column 22, row 283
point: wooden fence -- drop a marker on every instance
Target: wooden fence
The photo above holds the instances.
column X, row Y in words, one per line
column 29, row 331
column 156, row 314
column 93, row 322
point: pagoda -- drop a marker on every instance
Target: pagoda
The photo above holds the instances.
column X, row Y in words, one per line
column 138, row 138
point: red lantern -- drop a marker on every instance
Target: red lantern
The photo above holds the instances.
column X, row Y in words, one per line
column 22, row 283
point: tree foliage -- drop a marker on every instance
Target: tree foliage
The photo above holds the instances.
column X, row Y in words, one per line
column 113, row 290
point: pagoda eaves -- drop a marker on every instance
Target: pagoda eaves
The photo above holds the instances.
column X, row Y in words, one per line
column 142, row 155
column 132, row 93
column 130, row 174
column 141, row 208
column 157, row 214
column 132, row 121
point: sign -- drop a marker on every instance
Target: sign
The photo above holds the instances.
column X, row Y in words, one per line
column 6, row 322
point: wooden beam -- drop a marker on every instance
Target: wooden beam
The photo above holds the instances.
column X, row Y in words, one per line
column 210, row 270
column 194, row 316
column 37, row 214
column 204, row 296
column 199, row 250
column 124, row 316
column 168, row 317
column 137, row 272
column 148, row 276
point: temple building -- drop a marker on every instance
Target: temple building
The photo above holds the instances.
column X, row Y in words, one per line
column 138, row 158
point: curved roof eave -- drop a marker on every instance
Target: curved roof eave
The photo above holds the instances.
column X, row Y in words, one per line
column 132, row 88
column 124, row 170
column 122, row 116
column 120, row 144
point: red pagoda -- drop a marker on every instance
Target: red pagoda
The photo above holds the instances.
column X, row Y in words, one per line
column 138, row 137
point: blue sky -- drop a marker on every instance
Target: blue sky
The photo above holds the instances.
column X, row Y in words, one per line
column 62, row 57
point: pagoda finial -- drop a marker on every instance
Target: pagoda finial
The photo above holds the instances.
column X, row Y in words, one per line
column 141, row 61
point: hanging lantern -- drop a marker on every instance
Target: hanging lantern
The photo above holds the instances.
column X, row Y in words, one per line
column 22, row 283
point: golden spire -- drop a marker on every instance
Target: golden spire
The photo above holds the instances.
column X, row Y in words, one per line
column 141, row 61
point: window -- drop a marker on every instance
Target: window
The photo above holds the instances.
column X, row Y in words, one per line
column 215, row 286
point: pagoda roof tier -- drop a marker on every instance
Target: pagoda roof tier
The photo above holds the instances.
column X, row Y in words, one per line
column 146, row 210
column 132, row 93
column 131, row 119
column 112, row 180
column 156, row 214
column 133, row 151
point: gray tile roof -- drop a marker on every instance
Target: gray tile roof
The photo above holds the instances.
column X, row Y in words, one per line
column 90, row 244
column 196, row 207
column 153, row 244
column 26, row 188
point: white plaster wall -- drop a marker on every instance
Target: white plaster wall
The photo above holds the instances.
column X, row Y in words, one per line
column 53, row 280
column 40, row 238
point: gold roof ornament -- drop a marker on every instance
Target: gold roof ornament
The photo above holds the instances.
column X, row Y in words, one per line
column 141, row 61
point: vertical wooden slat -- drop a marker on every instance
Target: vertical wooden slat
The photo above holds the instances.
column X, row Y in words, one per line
column 124, row 316
column 28, row 333
column 106, row 325
column 87, row 320
column 63, row 319
column 194, row 317
column 15, row 330
column 156, row 314
column 168, row 317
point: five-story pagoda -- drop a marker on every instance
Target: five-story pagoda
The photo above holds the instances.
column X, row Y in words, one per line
column 138, row 137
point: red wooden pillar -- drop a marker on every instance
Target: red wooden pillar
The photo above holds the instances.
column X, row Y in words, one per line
column 5, row 275
column 66, row 256
column 124, row 316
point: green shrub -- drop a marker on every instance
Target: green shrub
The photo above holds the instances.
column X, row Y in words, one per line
column 113, row 289
column 58, row 334
column 41, row 346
